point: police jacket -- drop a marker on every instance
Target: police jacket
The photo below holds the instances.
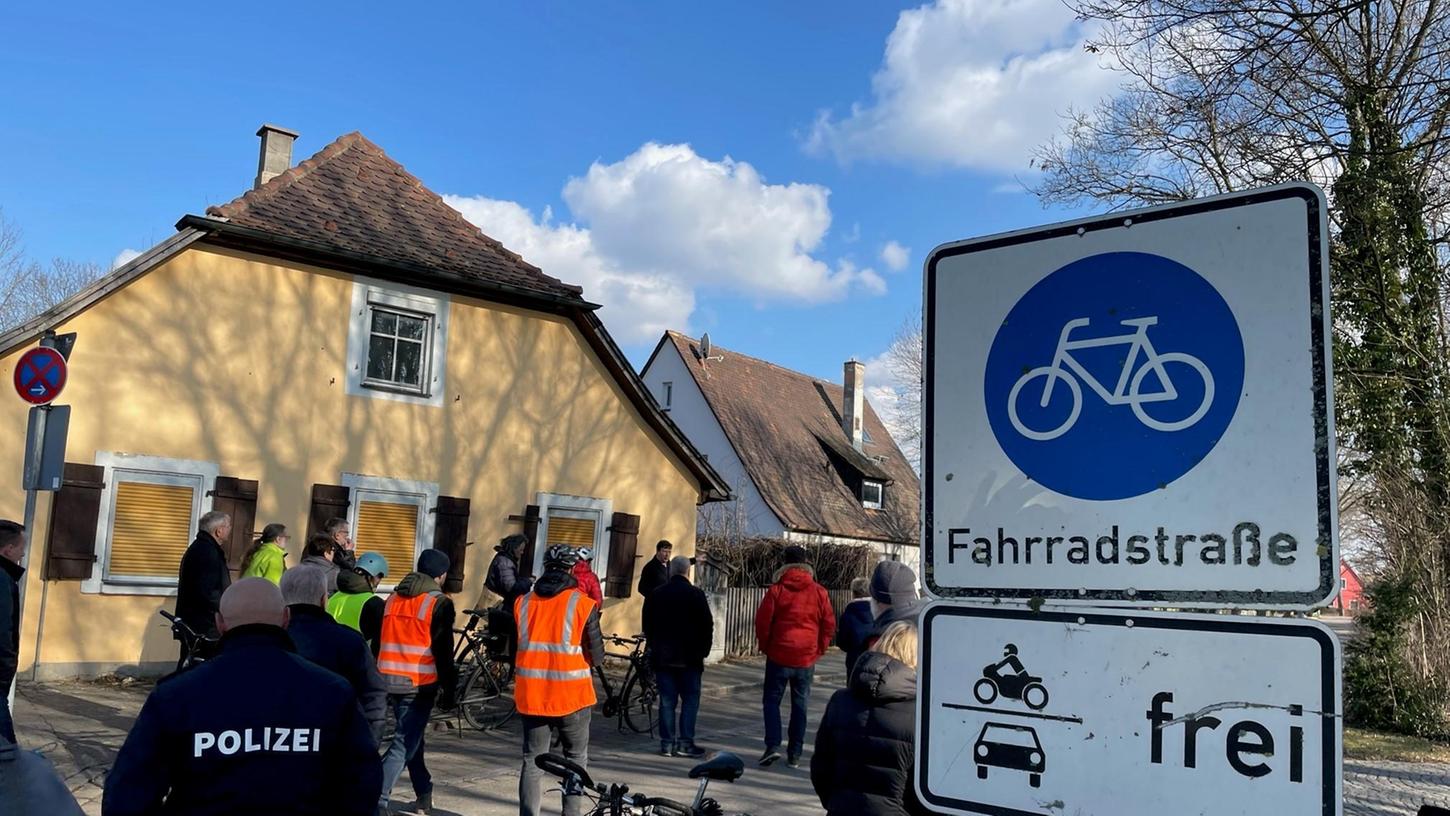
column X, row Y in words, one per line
column 256, row 730
column 678, row 625
column 864, row 753
column 339, row 649
column 204, row 577
column 11, row 575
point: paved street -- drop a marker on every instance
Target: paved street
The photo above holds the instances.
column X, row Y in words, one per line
column 79, row 726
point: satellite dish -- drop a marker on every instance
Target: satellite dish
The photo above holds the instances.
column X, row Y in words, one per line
column 705, row 345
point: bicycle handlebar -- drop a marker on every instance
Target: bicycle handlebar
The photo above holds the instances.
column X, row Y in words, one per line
column 564, row 768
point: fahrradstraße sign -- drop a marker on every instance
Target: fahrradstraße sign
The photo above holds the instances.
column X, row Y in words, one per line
column 1135, row 408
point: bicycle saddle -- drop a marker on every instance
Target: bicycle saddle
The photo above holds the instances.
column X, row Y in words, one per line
column 724, row 766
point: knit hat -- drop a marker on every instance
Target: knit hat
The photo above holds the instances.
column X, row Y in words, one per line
column 795, row 554
column 433, row 563
column 893, row 582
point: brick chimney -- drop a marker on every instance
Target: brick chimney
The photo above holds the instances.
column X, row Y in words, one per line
column 853, row 411
column 276, row 153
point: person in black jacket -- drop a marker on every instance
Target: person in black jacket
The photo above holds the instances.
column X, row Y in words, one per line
column 258, row 729
column 656, row 572
column 12, row 550
column 204, row 577
column 857, row 625
column 680, row 632
column 506, row 578
column 865, row 751
column 331, row 645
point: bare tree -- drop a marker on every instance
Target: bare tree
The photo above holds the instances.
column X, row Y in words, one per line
column 28, row 288
column 904, row 367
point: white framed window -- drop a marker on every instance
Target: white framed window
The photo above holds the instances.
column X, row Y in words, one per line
column 396, row 342
column 669, row 395
column 150, row 509
column 578, row 521
column 392, row 517
column 873, row 493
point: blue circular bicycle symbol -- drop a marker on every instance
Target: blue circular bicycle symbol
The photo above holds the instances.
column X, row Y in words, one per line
column 1114, row 375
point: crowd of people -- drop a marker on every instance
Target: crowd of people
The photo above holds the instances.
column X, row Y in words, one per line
column 312, row 661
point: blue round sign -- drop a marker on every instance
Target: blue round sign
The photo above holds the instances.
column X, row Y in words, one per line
column 1114, row 376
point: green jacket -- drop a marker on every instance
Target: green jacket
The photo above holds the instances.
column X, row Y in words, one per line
column 268, row 563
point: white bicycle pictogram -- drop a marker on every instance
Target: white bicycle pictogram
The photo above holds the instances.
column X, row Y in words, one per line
column 1127, row 391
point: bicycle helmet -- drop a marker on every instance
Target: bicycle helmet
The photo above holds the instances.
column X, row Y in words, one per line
column 373, row 564
column 585, row 553
column 561, row 556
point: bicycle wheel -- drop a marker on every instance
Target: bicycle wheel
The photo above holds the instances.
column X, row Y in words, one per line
column 484, row 704
column 639, row 700
column 1062, row 426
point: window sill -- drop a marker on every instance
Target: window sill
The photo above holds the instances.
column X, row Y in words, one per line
column 161, row 590
column 395, row 388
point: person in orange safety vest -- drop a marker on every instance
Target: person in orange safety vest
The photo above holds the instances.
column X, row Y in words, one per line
column 559, row 643
column 415, row 657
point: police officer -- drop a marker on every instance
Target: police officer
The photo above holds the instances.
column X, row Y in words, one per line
column 559, row 640
column 257, row 729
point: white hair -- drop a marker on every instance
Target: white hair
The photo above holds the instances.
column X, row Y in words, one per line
column 214, row 520
column 304, row 584
column 679, row 565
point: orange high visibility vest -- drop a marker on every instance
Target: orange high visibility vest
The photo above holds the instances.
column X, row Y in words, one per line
column 407, row 638
column 551, row 676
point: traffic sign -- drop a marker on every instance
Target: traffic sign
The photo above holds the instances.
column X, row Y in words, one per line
column 1135, row 408
column 40, row 375
column 1128, row 713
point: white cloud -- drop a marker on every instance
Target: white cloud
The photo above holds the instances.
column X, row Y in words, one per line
column 895, row 256
column 124, row 257
column 884, row 391
column 653, row 228
column 970, row 83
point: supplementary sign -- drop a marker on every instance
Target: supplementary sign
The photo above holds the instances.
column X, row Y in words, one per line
column 40, row 375
column 1129, row 714
column 1135, row 408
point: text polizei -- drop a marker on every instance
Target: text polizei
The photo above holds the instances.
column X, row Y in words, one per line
column 275, row 740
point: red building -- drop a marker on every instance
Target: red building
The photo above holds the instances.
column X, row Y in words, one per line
column 1350, row 599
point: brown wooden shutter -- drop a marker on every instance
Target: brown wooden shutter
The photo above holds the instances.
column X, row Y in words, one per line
column 450, row 534
column 238, row 499
column 623, row 545
column 74, row 511
column 328, row 502
column 531, row 531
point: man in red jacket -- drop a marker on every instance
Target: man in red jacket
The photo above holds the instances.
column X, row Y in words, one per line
column 794, row 625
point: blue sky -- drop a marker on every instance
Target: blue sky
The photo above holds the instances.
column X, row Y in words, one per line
column 735, row 168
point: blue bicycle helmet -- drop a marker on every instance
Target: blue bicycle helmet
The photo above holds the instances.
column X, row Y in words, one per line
column 373, row 564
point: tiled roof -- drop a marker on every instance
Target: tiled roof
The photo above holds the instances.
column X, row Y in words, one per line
column 352, row 198
column 786, row 428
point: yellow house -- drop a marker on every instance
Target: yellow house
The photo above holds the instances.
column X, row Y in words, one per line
column 335, row 342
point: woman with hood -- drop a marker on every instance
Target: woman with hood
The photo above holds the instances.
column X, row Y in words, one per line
column 864, row 753
column 505, row 579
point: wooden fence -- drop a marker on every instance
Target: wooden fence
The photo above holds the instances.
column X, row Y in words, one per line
column 739, row 623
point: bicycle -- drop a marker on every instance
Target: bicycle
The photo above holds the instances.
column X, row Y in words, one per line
column 191, row 642
column 484, row 698
column 1128, row 389
column 637, row 704
column 615, row 799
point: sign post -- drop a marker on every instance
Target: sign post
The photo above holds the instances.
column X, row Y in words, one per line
column 1126, row 712
column 1135, row 409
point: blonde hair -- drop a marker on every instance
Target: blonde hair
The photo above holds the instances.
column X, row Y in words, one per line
column 898, row 641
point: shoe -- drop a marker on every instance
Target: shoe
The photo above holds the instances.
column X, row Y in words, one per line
column 690, row 751
column 667, row 749
column 794, row 761
column 769, row 757
column 424, row 805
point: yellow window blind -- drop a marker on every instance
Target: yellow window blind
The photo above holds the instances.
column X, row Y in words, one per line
column 390, row 529
column 151, row 529
column 575, row 532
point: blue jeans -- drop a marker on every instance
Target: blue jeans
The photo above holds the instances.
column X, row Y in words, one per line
column 410, row 714
column 678, row 685
column 776, row 677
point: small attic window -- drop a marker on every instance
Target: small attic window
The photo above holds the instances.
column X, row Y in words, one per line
column 872, row 494
column 866, row 436
column 669, row 395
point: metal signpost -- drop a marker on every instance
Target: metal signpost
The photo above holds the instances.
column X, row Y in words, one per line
column 1135, row 409
column 1131, row 410
column 1127, row 713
